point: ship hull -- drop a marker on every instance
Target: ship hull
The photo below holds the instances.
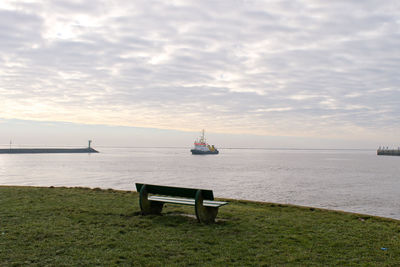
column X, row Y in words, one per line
column 200, row 152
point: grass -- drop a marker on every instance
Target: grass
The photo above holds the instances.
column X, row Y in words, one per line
column 82, row 227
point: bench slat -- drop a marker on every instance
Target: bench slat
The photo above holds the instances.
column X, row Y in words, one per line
column 186, row 201
column 175, row 191
column 182, row 201
column 213, row 203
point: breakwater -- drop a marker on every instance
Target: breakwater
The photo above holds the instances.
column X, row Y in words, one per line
column 47, row 150
column 388, row 152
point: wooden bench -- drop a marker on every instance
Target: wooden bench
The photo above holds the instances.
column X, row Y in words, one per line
column 153, row 197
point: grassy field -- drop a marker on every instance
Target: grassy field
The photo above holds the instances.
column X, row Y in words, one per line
column 79, row 226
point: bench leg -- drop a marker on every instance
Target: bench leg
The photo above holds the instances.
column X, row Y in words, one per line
column 204, row 214
column 147, row 206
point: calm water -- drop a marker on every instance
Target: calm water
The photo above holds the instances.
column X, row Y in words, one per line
column 349, row 180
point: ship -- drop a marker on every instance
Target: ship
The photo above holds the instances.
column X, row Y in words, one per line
column 202, row 148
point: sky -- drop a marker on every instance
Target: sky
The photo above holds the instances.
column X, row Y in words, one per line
column 274, row 73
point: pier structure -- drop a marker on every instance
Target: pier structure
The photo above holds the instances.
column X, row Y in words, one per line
column 10, row 150
column 386, row 151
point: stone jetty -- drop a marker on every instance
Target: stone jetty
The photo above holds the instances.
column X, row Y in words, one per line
column 385, row 151
column 47, row 150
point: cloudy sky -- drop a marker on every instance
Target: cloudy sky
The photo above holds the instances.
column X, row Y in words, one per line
column 265, row 69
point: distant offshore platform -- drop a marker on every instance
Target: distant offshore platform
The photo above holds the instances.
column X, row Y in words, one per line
column 10, row 150
column 385, row 151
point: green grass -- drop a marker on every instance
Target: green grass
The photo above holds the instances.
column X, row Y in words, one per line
column 81, row 227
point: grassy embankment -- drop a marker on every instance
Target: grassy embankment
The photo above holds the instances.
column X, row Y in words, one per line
column 78, row 226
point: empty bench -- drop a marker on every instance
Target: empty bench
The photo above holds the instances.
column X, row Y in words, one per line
column 153, row 197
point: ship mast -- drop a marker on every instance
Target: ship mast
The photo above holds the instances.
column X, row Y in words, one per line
column 203, row 140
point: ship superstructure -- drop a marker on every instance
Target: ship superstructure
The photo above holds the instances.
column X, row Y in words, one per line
column 201, row 146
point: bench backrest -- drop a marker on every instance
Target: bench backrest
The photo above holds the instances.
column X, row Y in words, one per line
column 175, row 191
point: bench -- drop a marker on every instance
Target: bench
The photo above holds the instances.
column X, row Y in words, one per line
column 153, row 197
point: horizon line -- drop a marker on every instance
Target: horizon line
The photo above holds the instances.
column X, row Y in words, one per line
column 184, row 147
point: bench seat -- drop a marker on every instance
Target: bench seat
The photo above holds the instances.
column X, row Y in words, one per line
column 187, row 201
column 153, row 197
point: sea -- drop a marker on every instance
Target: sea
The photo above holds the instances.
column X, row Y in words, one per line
column 347, row 180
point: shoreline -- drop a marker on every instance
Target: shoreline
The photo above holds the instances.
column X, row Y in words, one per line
column 244, row 201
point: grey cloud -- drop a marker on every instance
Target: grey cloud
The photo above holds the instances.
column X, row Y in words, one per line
column 77, row 6
column 18, row 30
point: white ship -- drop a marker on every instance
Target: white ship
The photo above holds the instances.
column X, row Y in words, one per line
column 201, row 147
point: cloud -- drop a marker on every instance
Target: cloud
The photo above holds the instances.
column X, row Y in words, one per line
column 268, row 68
